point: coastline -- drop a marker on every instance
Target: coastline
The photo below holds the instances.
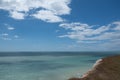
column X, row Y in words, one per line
column 46, row 66
column 107, row 68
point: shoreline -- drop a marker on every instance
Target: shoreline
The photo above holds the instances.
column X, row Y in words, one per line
column 103, row 69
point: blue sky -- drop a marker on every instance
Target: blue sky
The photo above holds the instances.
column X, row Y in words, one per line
column 59, row 25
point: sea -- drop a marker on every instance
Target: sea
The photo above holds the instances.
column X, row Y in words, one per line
column 47, row 65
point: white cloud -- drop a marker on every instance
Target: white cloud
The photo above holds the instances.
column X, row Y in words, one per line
column 85, row 33
column 17, row 15
column 47, row 16
column 57, row 31
column 16, row 36
column 4, row 34
column 74, row 26
column 117, row 24
column 19, row 9
column 99, row 38
column 11, row 28
column 6, row 38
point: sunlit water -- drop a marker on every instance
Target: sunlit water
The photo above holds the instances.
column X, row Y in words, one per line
column 46, row 65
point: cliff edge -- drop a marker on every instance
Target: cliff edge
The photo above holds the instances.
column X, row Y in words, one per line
column 104, row 69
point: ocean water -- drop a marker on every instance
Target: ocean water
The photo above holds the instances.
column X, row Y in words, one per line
column 47, row 65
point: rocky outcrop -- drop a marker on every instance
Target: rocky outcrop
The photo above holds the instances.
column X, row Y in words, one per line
column 104, row 69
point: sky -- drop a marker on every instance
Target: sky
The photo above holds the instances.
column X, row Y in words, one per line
column 59, row 25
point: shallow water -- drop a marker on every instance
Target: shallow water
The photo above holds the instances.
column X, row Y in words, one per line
column 46, row 66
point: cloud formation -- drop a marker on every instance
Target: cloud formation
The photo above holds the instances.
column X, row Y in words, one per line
column 46, row 10
column 17, row 15
column 6, row 36
column 9, row 27
column 7, row 32
column 84, row 33
column 50, row 16
column 16, row 36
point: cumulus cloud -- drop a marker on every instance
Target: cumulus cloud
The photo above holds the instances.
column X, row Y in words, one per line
column 85, row 33
column 46, row 10
column 17, row 15
column 49, row 16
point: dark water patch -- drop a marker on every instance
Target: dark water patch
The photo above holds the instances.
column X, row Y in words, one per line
column 57, row 54
column 104, row 55
column 90, row 61
column 5, row 63
column 46, row 66
column 32, row 61
column 37, row 65
column 21, row 62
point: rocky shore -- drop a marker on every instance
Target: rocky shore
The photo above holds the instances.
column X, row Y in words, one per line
column 104, row 69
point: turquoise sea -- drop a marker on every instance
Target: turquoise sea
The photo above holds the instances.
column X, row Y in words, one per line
column 47, row 65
